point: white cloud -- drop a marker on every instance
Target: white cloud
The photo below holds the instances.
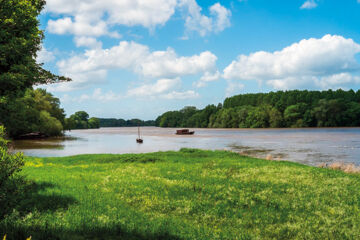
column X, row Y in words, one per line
column 195, row 21
column 147, row 13
column 97, row 95
column 190, row 94
column 233, row 88
column 337, row 80
column 87, row 42
column 44, row 55
column 222, row 17
column 93, row 18
column 309, row 4
column 208, row 77
column 92, row 66
column 162, row 88
column 80, row 80
column 298, row 65
column 168, row 64
column 80, row 27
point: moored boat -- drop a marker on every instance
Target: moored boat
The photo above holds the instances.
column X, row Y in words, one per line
column 139, row 139
column 184, row 132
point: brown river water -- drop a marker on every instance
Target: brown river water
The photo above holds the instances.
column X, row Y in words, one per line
column 310, row 146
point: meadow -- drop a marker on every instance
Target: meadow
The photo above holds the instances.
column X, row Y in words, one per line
column 190, row 194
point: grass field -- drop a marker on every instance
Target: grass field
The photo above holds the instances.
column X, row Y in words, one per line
column 190, row 194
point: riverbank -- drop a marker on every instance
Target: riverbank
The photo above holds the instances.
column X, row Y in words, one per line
column 306, row 146
column 190, row 194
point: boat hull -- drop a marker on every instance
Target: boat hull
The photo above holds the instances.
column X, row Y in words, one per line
column 188, row 133
column 184, row 132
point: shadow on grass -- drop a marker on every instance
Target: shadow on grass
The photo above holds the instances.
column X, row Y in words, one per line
column 24, row 197
column 42, row 233
column 28, row 198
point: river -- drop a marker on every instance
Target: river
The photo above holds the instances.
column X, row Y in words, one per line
column 310, row 146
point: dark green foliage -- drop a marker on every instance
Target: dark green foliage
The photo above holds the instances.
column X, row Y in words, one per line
column 113, row 122
column 35, row 111
column 20, row 40
column 275, row 109
column 23, row 110
column 294, row 115
column 80, row 120
column 10, row 165
column 94, row 123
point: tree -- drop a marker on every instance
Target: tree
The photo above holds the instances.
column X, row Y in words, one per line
column 276, row 120
column 49, row 125
column 80, row 120
column 275, row 109
column 20, row 40
column 93, row 123
column 81, row 116
column 36, row 111
column 329, row 113
column 258, row 117
column 294, row 115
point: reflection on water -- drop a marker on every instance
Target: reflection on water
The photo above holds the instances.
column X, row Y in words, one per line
column 309, row 146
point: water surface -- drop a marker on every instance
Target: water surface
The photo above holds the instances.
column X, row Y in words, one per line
column 307, row 145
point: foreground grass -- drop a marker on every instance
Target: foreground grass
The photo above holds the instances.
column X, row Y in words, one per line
column 190, row 194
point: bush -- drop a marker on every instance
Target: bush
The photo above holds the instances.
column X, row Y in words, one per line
column 10, row 164
column 50, row 125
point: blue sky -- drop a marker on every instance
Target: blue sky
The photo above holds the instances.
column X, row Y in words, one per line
column 140, row 58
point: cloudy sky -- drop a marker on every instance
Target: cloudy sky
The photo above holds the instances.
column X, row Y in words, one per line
column 140, row 58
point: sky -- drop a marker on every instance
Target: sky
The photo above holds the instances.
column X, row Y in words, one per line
column 140, row 58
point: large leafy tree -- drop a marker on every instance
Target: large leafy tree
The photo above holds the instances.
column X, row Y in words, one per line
column 20, row 40
column 36, row 111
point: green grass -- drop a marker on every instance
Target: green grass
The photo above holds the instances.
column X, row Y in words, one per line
column 191, row 194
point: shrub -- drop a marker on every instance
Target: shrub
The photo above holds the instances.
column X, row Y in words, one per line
column 50, row 125
column 10, row 164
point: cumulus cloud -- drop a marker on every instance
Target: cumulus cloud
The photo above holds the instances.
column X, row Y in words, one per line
column 174, row 95
column 80, row 27
column 308, row 61
column 44, row 55
column 91, row 18
column 93, row 65
column 97, row 95
column 147, row 13
column 208, row 77
column 337, row 80
column 195, row 21
column 222, row 17
column 87, row 42
column 233, row 88
column 162, row 88
column 80, row 80
column 309, row 4
column 168, row 64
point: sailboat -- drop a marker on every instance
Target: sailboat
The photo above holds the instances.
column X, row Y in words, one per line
column 139, row 139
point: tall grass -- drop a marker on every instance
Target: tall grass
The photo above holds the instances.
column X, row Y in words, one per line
column 190, row 194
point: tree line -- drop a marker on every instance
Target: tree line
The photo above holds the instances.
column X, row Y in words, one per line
column 81, row 120
column 113, row 122
column 275, row 110
column 37, row 111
